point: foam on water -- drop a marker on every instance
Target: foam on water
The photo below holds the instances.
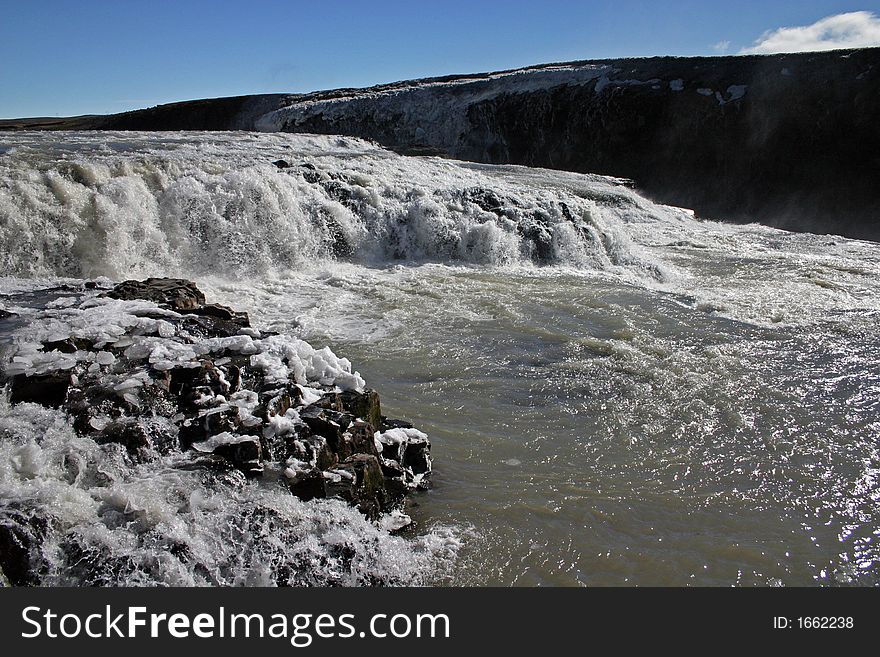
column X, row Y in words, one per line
column 109, row 521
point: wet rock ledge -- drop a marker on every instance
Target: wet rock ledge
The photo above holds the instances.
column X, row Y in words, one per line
column 150, row 366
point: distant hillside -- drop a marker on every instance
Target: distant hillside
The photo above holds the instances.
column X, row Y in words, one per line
column 788, row 140
column 235, row 113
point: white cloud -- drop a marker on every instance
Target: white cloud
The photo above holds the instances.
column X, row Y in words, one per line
column 721, row 46
column 856, row 29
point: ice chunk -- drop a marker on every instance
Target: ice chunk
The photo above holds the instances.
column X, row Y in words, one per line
column 394, row 521
column 224, row 438
column 128, row 384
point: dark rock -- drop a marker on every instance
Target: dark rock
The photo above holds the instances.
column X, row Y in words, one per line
column 395, row 479
column 299, row 443
column 190, row 384
column 233, row 375
column 175, row 294
column 282, row 164
column 364, row 405
column 212, row 422
column 391, row 455
column 278, row 403
column 391, row 423
column 541, row 240
column 341, row 192
column 359, row 438
column 423, row 151
column 311, row 449
column 90, row 404
column 331, row 401
column 310, row 173
column 86, row 405
column 222, row 420
column 68, row 346
column 329, row 424
column 22, row 533
column 407, row 462
column 128, row 433
column 308, row 485
column 485, row 199
column 391, row 469
column 200, row 428
column 364, row 485
column 222, row 312
column 246, row 455
column 417, row 456
column 211, row 462
column 210, row 327
column 46, row 389
column 325, row 458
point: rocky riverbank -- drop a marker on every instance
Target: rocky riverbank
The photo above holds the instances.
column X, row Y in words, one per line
column 150, row 370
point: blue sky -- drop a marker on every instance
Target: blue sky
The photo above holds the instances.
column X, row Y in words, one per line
column 98, row 56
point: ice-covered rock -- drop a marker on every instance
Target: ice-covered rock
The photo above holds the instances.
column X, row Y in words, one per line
column 140, row 446
column 130, row 367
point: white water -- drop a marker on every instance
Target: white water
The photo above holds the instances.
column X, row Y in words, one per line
column 139, row 206
column 616, row 392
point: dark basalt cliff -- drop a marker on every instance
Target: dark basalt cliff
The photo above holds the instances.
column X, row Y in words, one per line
column 788, row 140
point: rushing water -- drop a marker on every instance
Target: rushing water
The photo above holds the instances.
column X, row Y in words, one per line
column 616, row 392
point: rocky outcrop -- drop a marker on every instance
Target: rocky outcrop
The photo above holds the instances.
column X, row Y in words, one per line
column 173, row 293
column 192, row 378
column 145, row 444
